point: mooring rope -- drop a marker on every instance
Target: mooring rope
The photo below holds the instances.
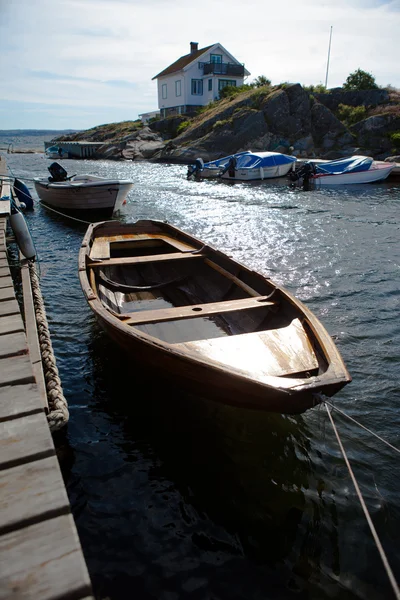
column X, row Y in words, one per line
column 67, row 216
column 381, row 551
column 324, row 400
column 58, row 408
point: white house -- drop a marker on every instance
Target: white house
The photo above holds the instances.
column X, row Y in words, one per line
column 196, row 79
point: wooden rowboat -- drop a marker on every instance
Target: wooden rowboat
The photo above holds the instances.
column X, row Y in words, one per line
column 188, row 311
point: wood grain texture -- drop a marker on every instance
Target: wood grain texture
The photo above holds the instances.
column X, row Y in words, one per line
column 25, row 439
column 19, row 400
column 16, row 370
column 31, row 493
column 43, row 562
column 12, row 344
column 9, row 307
column 32, row 337
column 135, row 260
column 197, row 310
column 11, row 323
column 6, row 282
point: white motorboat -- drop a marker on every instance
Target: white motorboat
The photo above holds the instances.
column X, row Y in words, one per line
column 56, row 152
column 82, row 193
column 344, row 171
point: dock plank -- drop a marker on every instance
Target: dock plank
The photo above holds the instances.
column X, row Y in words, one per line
column 24, row 440
column 6, row 282
column 19, row 400
column 31, row 493
column 11, row 323
column 16, row 370
column 12, row 344
column 53, row 565
column 6, row 293
column 9, row 307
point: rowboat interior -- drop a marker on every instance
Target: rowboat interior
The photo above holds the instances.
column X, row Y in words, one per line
column 193, row 299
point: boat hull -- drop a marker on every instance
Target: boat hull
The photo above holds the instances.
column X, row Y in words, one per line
column 99, row 198
column 215, row 384
column 259, row 173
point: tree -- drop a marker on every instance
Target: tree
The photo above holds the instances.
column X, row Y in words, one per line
column 360, row 80
column 260, row 81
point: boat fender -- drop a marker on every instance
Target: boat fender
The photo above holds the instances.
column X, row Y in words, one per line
column 23, row 194
column 21, row 233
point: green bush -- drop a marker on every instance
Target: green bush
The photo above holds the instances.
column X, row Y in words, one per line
column 395, row 138
column 360, row 80
column 315, row 89
column 351, row 114
column 182, row 126
column 221, row 123
column 229, row 91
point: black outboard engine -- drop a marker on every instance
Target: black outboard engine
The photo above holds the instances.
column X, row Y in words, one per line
column 196, row 168
column 305, row 173
column 57, row 172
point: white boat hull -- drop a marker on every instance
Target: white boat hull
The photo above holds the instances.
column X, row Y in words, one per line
column 84, row 195
column 260, row 173
column 377, row 172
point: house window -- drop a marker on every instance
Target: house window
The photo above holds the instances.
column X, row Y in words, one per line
column 216, row 58
column 178, row 88
column 197, row 87
column 164, row 91
column 210, row 85
column 224, row 82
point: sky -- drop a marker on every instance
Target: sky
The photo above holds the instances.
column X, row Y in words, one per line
column 76, row 64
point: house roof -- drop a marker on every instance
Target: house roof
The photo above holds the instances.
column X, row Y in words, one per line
column 179, row 64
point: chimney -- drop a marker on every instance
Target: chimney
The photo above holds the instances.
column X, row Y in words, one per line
column 194, row 46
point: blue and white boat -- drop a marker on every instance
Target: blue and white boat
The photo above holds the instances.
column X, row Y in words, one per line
column 344, row 171
column 248, row 166
column 212, row 168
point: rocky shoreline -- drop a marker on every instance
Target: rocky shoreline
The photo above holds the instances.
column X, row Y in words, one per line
column 285, row 119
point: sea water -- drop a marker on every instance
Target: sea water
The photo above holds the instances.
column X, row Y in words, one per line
column 175, row 497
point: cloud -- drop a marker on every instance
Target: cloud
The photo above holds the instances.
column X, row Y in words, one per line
column 82, row 53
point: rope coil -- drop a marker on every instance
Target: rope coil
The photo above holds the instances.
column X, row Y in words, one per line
column 58, row 408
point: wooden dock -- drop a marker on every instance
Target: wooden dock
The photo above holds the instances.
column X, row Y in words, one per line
column 40, row 552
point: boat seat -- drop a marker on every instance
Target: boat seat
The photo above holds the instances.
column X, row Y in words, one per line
column 196, row 310
column 135, row 260
column 277, row 352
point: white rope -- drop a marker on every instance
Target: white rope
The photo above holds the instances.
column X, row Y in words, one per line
column 366, row 513
column 67, row 216
column 363, row 427
column 323, row 399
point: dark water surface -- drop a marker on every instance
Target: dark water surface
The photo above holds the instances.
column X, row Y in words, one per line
column 179, row 498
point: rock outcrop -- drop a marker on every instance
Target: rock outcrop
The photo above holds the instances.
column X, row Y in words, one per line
column 284, row 119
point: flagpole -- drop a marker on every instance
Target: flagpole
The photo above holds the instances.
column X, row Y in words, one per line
column 327, row 66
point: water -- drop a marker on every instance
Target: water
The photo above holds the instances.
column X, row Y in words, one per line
column 178, row 498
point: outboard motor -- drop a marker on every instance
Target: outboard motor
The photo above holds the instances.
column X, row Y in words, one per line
column 305, row 173
column 57, row 172
column 196, row 168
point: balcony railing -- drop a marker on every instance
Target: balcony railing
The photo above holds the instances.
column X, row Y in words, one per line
column 223, row 69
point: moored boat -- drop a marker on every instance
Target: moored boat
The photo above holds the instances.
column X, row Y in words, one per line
column 89, row 194
column 344, row 171
column 245, row 166
column 190, row 312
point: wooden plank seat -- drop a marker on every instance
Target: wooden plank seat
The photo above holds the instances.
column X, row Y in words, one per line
column 195, row 310
column 135, row 260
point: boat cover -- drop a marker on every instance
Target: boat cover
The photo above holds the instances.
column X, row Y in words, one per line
column 353, row 164
column 263, row 159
